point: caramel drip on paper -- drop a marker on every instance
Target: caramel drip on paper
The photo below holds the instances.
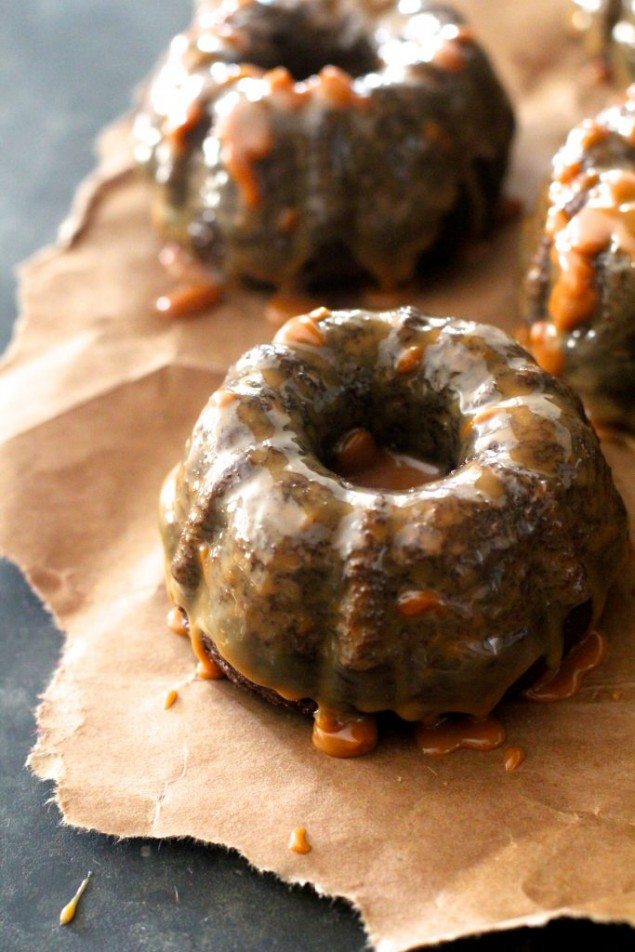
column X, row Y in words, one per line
column 344, row 735
column 514, row 757
column 299, row 841
column 468, row 733
column 171, row 698
column 187, row 300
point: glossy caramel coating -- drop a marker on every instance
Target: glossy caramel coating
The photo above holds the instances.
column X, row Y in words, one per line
column 579, row 298
column 296, row 578
column 292, row 140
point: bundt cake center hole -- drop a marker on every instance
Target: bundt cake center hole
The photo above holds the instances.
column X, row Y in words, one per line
column 366, row 462
column 303, row 44
column 305, row 61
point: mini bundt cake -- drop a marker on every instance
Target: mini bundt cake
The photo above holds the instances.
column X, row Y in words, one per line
column 579, row 302
column 302, row 581
column 292, row 140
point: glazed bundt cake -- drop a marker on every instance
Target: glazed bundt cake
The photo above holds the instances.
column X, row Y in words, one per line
column 293, row 140
column 304, row 574
column 579, row 302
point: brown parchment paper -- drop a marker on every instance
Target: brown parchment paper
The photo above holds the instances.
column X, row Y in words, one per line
column 97, row 397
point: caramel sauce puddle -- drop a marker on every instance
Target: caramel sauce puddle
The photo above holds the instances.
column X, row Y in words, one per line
column 466, row 733
column 359, row 459
column 584, row 657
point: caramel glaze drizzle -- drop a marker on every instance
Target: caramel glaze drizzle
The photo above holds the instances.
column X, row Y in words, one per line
column 543, row 341
column 413, row 604
column 446, row 736
column 223, row 398
column 409, row 360
column 304, row 329
column 245, row 129
column 177, row 622
column 354, row 734
column 246, row 137
column 206, row 668
column 179, row 128
column 584, row 657
column 244, row 125
column 605, row 220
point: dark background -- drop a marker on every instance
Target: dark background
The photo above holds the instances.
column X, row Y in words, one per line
column 66, row 68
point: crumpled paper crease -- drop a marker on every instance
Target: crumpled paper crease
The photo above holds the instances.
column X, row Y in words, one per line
column 98, row 394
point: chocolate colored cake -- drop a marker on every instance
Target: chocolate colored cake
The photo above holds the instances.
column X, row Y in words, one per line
column 295, row 140
column 317, row 590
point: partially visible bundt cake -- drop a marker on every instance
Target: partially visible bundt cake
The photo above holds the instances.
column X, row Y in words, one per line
column 308, row 574
column 292, row 140
column 608, row 27
column 579, row 301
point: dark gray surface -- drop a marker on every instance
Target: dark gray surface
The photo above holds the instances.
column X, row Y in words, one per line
column 66, row 68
